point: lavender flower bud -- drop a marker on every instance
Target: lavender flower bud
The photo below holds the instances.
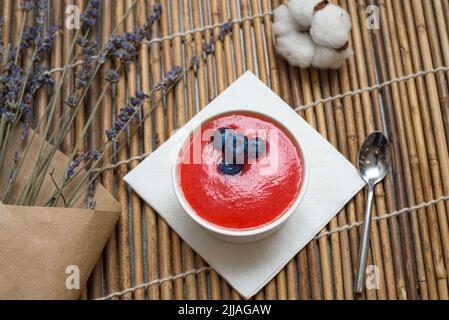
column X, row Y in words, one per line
column 112, row 76
column 209, row 47
column 71, row 101
column 9, row 117
column 125, row 115
column 90, row 16
column 224, row 29
column 195, row 63
column 25, row 131
column 26, row 5
column 93, row 154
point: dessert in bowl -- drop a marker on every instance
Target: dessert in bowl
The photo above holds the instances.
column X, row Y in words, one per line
column 240, row 175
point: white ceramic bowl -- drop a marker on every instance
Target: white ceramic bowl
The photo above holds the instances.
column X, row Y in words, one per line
column 240, row 236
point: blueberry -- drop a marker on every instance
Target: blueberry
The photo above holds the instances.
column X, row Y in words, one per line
column 256, row 148
column 236, row 148
column 220, row 137
column 230, row 169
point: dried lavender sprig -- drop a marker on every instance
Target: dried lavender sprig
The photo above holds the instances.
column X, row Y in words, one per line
column 125, row 47
column 224, row 29
column 151, row 19
column 35, row 77
column 169, row 78
column 25, row 130
column 19, row 90
column 129, row 37
column 195, row 63
column 71, row 101
column 89, row 17
column 50, row 111
column 126, row 115
column 31, row 180
column 26, row 5
column 134, row 102
column 209, row 47
column 64, row 182
column 22, row 28
column 82, row 76
column 19, row 102
column 112, row 76
column 76, row 194
column 93, row 154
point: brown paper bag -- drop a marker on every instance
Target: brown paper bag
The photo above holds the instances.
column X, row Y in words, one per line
column 42, row 249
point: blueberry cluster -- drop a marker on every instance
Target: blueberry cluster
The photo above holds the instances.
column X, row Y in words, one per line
column 236, row 148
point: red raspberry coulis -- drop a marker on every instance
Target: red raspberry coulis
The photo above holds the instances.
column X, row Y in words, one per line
column 254, row 198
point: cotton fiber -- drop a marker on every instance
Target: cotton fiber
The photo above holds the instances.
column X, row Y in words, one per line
column 331, row 26
column 284, row 22
column 329, row 58
column 297, row 48
column 312, row 33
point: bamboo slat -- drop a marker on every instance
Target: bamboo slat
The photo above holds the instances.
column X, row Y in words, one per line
column 189, row 49
column 414, row 95
column 80, row 93
column 410, row 152
column 123, row 224
column 131, row 77
column 150, row 216
column 68, row 80
column 213, row 79
column 405, row 226
column 107, row 179
column 163, row 230
column 95, row 284
column 7, row 23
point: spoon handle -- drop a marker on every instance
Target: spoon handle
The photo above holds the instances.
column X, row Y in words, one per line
column 364, row 244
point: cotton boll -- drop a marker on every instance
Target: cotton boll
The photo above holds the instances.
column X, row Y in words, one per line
column 331, row 26
column 303, row 10
column 297, row 48
column 284, row 22
column 329, row 58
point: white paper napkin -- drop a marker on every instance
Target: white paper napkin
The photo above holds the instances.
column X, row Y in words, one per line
column 333, row 181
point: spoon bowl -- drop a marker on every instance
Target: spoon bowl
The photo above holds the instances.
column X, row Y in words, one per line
column 374, row 158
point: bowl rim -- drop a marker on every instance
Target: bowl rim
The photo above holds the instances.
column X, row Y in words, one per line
column 276, row 223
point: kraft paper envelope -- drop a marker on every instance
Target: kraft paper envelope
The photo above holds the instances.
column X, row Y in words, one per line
column 42, row 248
column 333, row 181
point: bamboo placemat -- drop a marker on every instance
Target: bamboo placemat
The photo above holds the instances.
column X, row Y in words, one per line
column 396, row 82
